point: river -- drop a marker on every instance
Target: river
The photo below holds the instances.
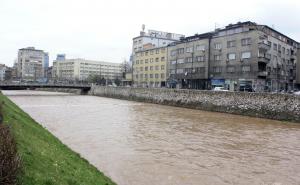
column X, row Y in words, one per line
column 145, row 144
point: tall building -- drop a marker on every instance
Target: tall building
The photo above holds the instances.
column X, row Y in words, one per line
column 150, row 67
column 81, row 69
column 238, row 56
column 147, row 42
column 60, row 57
column 31, row 63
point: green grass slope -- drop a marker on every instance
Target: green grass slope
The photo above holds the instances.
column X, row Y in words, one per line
column 45, row 159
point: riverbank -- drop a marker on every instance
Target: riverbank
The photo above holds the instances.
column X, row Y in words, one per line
column 264, row 105
column 46, row 160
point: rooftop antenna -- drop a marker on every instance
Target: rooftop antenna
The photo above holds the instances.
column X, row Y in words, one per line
column 143, row 27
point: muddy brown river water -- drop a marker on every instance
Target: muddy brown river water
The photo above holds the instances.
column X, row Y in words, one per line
column 145, row 144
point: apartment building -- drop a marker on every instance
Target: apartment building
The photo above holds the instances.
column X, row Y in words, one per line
column 151, row 46
column 31, row 63
column 81, row 69
column 239, row 55
column 150, row 67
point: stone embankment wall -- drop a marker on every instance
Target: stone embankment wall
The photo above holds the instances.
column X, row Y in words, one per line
column 65, row 90
column 264, row 105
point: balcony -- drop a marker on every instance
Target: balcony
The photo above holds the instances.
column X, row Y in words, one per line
column 262, row 73
column 264, row 59
column 293, row 57
column 264, row 46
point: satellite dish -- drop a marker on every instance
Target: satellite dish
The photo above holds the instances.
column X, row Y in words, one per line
column 143, row 27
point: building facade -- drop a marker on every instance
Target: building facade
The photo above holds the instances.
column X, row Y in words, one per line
column 31, row 64
column 153, row 38
column 239, row 56
column 146, row 73
column 81, row 69
column 150, row 67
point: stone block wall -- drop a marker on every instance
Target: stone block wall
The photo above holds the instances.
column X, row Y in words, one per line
column 264, row 105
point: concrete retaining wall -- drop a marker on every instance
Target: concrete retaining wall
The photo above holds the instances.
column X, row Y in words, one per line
column 65, row 90
column 264, row 105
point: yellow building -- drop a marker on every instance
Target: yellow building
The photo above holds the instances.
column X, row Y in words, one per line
column 150, row 67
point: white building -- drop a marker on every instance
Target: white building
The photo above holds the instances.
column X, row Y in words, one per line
column 81, row 69
column 31, row 63
column 152, row 39
column 2, row 72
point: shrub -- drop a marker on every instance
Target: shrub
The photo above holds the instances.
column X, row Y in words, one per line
column 9, row 159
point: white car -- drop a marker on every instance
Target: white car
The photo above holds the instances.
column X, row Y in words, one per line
column 297, row 93
column 219, row 89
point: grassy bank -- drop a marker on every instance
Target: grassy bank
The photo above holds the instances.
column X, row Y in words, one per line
column 45, row 159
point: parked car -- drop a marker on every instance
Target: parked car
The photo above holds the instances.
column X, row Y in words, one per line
column 247, row 88
column 219, row 89
column 297, row 93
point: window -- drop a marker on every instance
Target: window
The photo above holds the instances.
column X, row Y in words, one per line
column 151, row 75
column 146, row 61
column 279, row 48
column 151, row 68
column 162, row 59
column 200, row 58
column 246, row 55
column 231, row 56
column 146, row 76
column 179, row 71
column 275, row 47
column 156, row 67
column 200, row 69
column 172, row 71
column 180, row 50
column 246, row 41
column 137, row 62
column 151, row 60
column 246, row 68
column 189, row 49
column 200, row 47
column 190, row 59
column 156, row 75
column 218, row 46
column 217, row 69
column 151, row 52
column 217, row 57
column 283, row 50
column 173, row 53
column 231, row 44
column 163, row 50
column 146, row 53
column 162, row 75
column 157, row 51
column 162, row 67
column 180, row 61
column 157, row 60
column 230, row 69
column 173, row 62
column 146, row 68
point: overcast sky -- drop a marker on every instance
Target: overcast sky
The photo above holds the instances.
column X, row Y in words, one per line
column 103, row 29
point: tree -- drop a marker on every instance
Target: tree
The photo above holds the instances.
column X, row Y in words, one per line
column 126, row 67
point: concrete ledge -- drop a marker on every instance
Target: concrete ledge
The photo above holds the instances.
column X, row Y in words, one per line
column 265, row 105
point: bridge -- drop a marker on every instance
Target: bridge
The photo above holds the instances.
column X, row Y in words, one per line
column 23, row 86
